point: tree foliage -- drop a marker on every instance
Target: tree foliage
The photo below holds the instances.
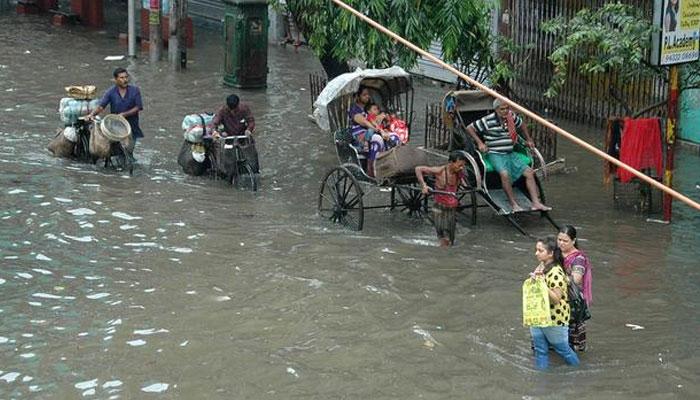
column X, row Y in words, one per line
column 614, row 39
column 462, row 27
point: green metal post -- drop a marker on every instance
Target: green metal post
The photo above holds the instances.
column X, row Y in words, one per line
column 245, row 40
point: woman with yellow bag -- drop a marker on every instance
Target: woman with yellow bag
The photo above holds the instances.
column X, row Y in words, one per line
column 547, row 287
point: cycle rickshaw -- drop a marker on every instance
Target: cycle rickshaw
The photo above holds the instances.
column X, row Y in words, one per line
column 345, row 190
column 446, row 131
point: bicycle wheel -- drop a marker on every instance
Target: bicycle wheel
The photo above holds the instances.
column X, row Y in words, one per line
column 122, row 159
column 82, row 148
column 245, row 178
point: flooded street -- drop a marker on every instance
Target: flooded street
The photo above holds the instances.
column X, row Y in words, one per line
column 164, row 285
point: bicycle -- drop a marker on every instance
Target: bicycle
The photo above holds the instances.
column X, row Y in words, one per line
column 232, row 164
column 120, row 154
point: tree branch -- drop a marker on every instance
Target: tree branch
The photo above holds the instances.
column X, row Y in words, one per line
column 649, row 108
column 616, row 96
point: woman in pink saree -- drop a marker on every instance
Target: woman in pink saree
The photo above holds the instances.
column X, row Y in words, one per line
column 578, row 267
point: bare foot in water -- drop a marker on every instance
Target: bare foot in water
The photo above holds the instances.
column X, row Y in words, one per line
column 540, row 207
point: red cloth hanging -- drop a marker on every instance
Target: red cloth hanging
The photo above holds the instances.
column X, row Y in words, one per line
column 640, row 147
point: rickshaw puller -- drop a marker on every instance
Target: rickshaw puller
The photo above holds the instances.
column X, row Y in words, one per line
column 447, row 180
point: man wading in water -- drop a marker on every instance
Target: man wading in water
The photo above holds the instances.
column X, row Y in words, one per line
column 447, row 179
column 123, row 99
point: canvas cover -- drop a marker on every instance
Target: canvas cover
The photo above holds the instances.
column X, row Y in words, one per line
column 347, row 84
column 398, row 161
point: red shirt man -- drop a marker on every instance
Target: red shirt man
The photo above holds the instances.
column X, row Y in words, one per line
column 236, row 118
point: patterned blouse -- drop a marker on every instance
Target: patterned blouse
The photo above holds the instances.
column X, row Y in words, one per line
column 556, row 278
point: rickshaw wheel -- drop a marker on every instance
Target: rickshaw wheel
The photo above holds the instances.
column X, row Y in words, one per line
column 464, row 191
column 411, row 201
column 340, row 199
column 245, row 179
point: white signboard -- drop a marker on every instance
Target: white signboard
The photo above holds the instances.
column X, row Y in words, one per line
column 679, row 38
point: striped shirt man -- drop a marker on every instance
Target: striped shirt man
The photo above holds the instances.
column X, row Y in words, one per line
column 495, row 132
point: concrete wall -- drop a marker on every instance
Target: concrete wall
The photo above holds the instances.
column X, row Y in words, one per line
column 690, row 115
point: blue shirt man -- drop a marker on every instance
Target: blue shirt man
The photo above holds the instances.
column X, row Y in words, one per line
column 123, row 99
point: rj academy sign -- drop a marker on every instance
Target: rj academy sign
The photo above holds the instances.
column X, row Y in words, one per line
column 678, row 38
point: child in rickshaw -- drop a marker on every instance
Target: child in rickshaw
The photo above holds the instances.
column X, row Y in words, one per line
column 397, row 128
column 380, row 121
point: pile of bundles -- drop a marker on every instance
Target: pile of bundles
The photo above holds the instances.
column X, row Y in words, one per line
column 112, row 129
column 80, row 103
column 192, row 157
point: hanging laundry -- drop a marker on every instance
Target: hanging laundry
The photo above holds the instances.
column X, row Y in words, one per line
column 640, row 147
column 613, row 137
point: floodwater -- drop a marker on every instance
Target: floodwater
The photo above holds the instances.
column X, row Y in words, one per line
column 167, row 286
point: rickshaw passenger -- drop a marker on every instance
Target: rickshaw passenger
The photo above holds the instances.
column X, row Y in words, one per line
column 358, row 117
column 383, row 135
column 500, row 132
column 362, row 130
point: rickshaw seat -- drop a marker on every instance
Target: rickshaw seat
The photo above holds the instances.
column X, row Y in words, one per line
column 345, row 146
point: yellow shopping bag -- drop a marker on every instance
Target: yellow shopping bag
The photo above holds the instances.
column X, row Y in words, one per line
column 536, row 303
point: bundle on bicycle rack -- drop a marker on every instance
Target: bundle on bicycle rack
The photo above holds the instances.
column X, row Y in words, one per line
column 61, row 145
column 192, row 158
column 70, row 109
column 112, row 129
column 81, row 92
column 196, row 126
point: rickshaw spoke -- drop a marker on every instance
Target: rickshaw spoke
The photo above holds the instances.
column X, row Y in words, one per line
column 336, row 186
column 334, row 193
column 347, row 193
column 340, row 192
column 345, row 186
column 353, row 202
column 330, row 200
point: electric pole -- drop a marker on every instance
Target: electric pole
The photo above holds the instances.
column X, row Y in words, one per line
column 131, row 31
column 177, row 42
column 154, row 36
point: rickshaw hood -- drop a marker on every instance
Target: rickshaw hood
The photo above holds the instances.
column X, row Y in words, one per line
column 347, row 84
